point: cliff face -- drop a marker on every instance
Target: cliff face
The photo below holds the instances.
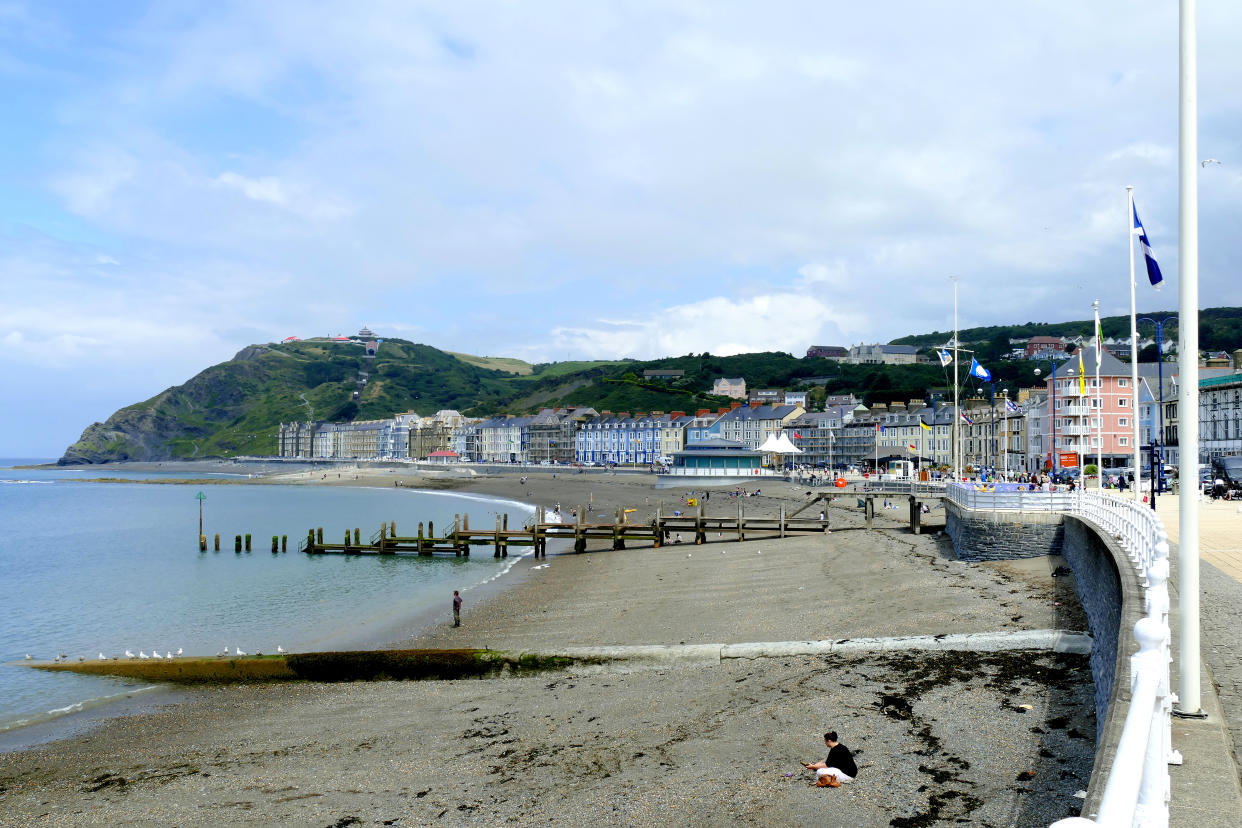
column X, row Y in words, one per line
column 235, row 407
column 176, row 423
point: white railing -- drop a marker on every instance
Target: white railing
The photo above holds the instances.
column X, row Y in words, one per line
column 1010, row 498
column 740, row 474
column 1137, row 790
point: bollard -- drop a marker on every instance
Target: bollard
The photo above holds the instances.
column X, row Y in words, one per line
column 319, row 535
column 217, row 541
column 357, row 536
column 284, row 543
column 346, row 540
column 392, row 528
column 202, row 543
column 247, row 541
column 275, row 544
column 237, row 543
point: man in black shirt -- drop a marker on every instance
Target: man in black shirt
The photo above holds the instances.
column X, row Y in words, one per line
column 837, row 768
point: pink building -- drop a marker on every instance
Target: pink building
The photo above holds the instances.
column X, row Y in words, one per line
column 1097, row 417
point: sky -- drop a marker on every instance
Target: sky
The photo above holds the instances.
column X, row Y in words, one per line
column 567, row 180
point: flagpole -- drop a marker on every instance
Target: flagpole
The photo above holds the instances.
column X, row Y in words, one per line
column 1138, row 470
column 1188, row 360
column 957, row 411
column 1099, row 390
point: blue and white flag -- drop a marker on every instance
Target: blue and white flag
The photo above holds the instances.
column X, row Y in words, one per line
column 1153, row 269
column 966, row 419
column 979, row 372
column 1010, row 405
column 945, row 356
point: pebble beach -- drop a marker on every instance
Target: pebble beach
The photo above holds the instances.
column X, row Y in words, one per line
column 1003, row 739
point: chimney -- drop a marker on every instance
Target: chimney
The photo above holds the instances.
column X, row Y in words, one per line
column 724, row 411
column 657, row 413
column 702, row 412
column 676, row 414
column 734, row 404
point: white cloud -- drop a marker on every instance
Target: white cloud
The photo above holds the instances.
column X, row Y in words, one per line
column 257, row 189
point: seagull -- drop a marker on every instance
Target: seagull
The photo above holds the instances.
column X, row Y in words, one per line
column 56, row 660
column 81, row 658
column 169, row 655
column 179, row 651
column 239, row 651
column 128, row 654
column 279, row 649
column 219, row 655
column 156, row 654
column 29, row 656
column 141, row 654
column 1207, row 161
column 103, row 657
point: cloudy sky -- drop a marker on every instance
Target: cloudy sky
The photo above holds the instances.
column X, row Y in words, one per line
column 554, row 180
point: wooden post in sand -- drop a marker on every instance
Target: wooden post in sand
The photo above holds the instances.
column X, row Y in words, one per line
column 457, row 535
column 579, row 537
column 700, row 536
column 496, row 554
column 618, row 534
column 741, row 532
column 534, row 530
column 782, row 520
column 657, row 527
column 916, row 515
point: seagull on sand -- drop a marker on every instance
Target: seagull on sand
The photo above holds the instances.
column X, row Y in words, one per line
column 179, row 651
column 141, row 654
column 29, row 656
column 128, row 654
column 103, row 657
column 239, row 651
column 279, row 649
column 156, row 654
column 168, row 655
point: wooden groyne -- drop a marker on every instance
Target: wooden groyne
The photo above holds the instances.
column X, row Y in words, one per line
column 615, row 534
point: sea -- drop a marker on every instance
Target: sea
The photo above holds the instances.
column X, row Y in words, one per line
column 104, row 567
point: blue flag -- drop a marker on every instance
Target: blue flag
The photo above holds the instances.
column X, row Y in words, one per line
column 1010, row 405
column 978, row 371
column 1153, row 269
column 945, row 356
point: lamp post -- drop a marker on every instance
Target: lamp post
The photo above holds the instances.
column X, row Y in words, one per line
column 1159, row 323
column 1052, row 410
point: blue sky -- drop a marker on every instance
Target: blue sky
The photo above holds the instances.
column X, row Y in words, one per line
column 576, row 180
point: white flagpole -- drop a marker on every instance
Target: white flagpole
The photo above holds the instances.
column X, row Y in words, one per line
column 1099, row 392
column 1138, row 459
column 957, row 411
column 1188, row 360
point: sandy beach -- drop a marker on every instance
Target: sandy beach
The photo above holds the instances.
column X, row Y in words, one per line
column 1000, row 739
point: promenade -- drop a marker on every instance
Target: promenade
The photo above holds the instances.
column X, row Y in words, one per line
column 1220, row 615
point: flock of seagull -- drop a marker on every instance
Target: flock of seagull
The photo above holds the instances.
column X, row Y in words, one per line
column 167, row 656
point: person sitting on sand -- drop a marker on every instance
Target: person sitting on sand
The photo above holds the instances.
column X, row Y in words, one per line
column 837, row 768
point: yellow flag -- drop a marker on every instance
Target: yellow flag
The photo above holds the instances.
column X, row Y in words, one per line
column 1082, row 375
column 925, row 426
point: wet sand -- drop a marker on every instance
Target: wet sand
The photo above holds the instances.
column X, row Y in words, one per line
column 672, row 744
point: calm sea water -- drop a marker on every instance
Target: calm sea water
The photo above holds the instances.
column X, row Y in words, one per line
column 104, row 567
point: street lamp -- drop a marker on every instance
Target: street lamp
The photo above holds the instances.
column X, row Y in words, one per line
column 1052, row 410
column 1159, row 323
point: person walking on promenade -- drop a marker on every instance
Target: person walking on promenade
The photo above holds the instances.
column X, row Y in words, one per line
column 456, row 608
column 838, row 767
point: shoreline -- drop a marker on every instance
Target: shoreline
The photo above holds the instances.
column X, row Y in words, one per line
column 639, row 745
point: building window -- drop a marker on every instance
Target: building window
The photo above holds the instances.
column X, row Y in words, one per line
column 1123, row 402
column 1123, row 382
column 1123, row 421
column 1125, row 441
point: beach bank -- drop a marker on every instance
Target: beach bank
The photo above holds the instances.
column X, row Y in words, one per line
column 985, row 736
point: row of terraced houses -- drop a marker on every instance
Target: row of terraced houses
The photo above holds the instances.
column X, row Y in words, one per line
column 1027, row 433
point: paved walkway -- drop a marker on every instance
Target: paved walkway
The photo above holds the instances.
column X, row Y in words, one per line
column 1220, row 619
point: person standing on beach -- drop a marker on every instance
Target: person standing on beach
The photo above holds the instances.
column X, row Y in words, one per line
column 837, row 768
column 456, row 608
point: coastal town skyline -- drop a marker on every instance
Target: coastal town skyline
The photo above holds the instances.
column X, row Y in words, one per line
column 609, row 182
